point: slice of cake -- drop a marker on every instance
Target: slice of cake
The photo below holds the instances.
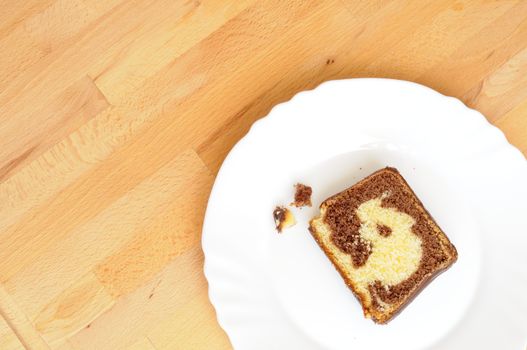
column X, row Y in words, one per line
column 383, row 242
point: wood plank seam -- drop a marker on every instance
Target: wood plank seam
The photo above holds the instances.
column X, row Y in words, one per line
column 84, row 102
column 150, row 341
column 19, row 323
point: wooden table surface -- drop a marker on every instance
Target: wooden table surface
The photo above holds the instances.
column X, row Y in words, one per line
column 115, row 116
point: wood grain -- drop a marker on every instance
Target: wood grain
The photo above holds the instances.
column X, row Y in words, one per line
column 8, row 338
column 26, row 334
column 116, row 115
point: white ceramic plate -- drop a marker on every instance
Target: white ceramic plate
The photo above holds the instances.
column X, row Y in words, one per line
column 275, row 291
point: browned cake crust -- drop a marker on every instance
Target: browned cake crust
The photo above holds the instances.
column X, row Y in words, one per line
column 340, row 215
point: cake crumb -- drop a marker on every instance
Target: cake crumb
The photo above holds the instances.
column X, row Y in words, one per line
column 302, row 195
column 283, row 218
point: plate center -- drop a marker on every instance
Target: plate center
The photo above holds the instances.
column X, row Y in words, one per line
column 314, row 295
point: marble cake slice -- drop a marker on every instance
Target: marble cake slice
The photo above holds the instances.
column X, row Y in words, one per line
column 383, row 242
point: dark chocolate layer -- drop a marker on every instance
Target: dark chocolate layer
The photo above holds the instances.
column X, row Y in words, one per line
column 279, row 217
